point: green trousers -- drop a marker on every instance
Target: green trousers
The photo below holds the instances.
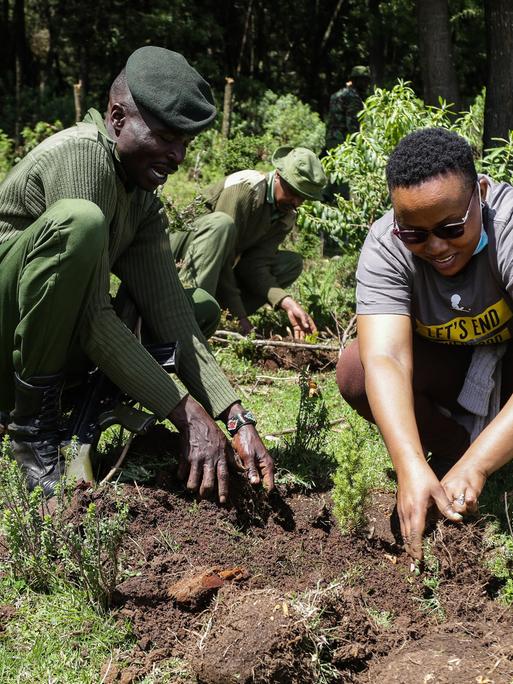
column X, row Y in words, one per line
column 202, row 253
column 45, row 278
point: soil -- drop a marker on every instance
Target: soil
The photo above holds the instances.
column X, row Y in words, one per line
column 267, row 589
column 273, row 358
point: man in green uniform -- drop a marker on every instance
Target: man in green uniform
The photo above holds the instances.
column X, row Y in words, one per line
column 80, row 206
column 232, row 252
column 345, row 105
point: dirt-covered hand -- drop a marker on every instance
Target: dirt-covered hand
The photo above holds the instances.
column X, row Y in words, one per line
column 255, row 458
column 462, row 485
column 301, row 322
column 419, row 490
column 203, row 461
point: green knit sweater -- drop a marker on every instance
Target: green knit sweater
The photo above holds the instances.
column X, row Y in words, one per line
column 81, row 162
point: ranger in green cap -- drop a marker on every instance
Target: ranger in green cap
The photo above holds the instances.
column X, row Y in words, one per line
column 345, row 105
column 80, row 206
column 232, row 252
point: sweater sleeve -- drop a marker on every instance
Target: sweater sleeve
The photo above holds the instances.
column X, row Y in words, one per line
column 148, row 270
column 83, row 168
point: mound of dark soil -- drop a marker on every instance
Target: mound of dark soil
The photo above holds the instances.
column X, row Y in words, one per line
column 254, row 636
column 267, row 589
column 295, row 358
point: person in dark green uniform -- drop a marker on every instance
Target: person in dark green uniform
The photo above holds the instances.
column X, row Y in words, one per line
column 232, row 252
column 345, row 105
column 80, row 206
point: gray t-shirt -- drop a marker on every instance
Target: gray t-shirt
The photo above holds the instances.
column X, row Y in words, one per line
column 473, row 307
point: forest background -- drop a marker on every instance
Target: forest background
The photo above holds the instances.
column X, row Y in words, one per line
column 446, row 48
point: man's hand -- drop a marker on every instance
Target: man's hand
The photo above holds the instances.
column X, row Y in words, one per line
column 302, row 324
column 255, row 458
column 203, row 454
column 462, row 485
column 245, row 326
column 419, row 489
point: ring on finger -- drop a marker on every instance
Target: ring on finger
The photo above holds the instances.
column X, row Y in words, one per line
column 460, row 500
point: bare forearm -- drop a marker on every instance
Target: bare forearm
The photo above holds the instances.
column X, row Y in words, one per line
column 494, row 446
column 390, row 395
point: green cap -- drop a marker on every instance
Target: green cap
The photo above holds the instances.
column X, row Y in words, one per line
column 360, row 72
column 165, row 84
column 302, row 170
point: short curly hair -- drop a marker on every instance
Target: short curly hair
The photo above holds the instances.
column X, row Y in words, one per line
column 427, row 153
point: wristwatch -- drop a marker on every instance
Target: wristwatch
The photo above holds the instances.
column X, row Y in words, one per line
column 237, row 421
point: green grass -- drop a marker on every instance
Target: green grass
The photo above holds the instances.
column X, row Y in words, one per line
column 56, row 637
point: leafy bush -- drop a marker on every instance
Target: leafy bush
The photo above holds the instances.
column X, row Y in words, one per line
column 327, row 292
column 33, row 136
column 288, row 121
column 498, row 162
column 6, row 153
column 243, row 152
column 387, row 116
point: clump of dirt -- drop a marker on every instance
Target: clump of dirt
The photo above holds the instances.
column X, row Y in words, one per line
column 255, row 636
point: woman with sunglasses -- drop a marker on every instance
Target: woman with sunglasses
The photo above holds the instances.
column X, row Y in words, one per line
column 434, row 301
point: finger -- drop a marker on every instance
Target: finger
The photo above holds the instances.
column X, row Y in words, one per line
column 446, row 507
column 208, row 481
column 418, row 525
column 266, row 466
column 183, row 467
column 222, row 480
column 233, row 458
column 194, row 480
column 313, row 327
column 298, row 333
column 471, row 500
column 253, row 475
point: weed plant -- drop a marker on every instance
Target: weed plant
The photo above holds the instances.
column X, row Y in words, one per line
column 46, row 548
column 500, row 561
column 304, row 460
column 431, row 602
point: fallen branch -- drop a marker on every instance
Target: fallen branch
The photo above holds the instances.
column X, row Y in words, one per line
column 275, row 343
column 348, row 331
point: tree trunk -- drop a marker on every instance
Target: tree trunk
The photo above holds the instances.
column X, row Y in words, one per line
column 376, row 42
column 435, row 48
column 499, row 80
column 24, row 73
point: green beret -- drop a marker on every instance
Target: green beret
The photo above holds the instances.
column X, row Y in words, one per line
column 360, row 72
column 165, row 85
column 302, row 170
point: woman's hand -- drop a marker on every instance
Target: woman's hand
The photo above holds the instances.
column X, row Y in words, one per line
column 419, row 490
column 462, row 485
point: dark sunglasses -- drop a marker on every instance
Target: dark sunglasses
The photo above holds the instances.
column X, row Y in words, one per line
column 450, row 231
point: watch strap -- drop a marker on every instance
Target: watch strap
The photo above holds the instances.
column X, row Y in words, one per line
column 234, row 423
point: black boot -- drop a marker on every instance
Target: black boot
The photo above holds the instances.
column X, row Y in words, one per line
column 34, row 430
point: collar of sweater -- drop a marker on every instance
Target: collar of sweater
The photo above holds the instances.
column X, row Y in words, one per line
column 94, row 117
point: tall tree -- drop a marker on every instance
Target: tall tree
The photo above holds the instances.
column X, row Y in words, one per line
column 499, row 80
column 436, row 52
